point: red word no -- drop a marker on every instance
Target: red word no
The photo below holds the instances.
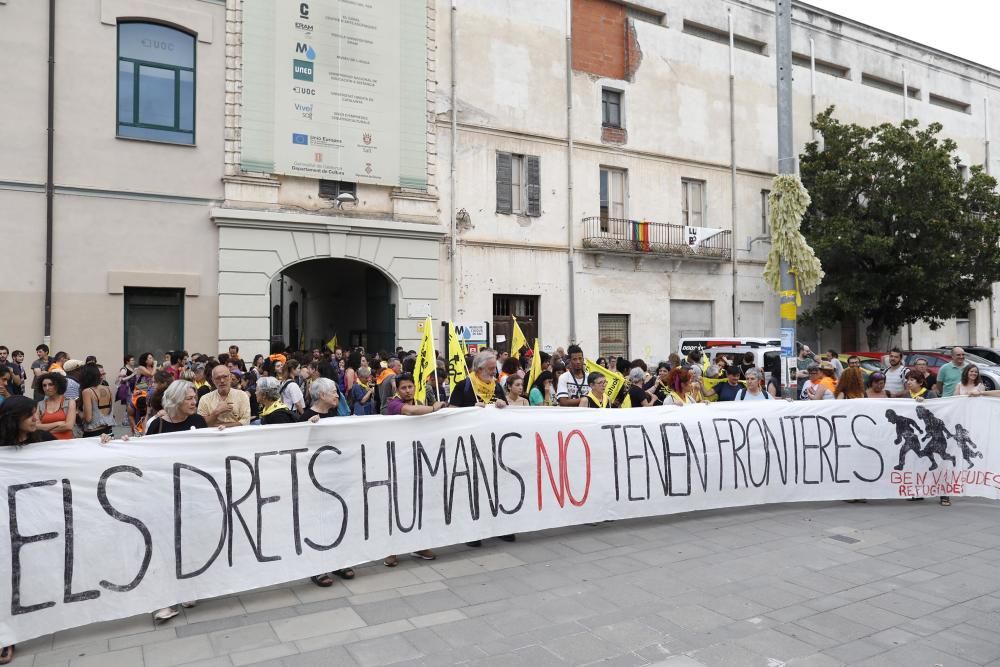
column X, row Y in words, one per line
column 562, row 489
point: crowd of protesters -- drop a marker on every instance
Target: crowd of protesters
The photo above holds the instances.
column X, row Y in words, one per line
column 59, row 397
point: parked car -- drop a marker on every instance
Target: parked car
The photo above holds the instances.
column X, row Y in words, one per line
column 868, row 364
column 989, row 353
column 989, row 371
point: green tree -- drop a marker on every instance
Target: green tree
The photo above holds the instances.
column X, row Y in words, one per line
column 902, row 236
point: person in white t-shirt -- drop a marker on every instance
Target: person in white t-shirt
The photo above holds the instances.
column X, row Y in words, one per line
column 573, row 388
column 753, row 390
column 895, row 373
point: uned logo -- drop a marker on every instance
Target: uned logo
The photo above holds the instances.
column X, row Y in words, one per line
column 309, row 52
column 302, row 70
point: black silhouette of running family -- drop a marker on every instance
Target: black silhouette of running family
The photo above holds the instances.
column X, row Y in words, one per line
column 935, row 434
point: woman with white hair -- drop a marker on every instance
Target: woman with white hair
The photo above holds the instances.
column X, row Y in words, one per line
column 637, row 396
column 180, row 410
column 180, row 413
column 272, row 410
column 754, row 390
column 324, row 400
column 481, row 387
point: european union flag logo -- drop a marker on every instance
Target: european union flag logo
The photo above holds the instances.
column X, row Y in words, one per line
column 300, row 139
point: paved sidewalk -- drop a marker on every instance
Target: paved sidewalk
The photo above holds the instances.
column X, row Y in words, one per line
column 884, row 583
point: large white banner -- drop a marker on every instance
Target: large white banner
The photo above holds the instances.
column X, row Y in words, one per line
column 96, row 532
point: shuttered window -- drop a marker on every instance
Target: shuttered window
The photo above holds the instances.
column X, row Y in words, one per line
column 519, row 189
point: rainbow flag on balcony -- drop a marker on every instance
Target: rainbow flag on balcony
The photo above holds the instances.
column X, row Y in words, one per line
column 640, row 233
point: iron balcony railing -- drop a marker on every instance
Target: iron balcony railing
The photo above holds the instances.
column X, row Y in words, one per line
column 641, row 237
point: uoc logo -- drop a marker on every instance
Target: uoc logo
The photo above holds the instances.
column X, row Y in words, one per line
column 302, row 70
column 308, row 51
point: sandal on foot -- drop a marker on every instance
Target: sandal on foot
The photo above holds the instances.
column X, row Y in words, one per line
column 424, row 554
column 391, row 561
column 946, row 502
column 322, row 580
column 6, row 654
column 346, row 573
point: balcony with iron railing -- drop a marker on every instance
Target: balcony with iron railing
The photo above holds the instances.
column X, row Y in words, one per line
column 639, row 237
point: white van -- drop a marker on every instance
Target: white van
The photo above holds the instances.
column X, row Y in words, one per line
column 688, row 345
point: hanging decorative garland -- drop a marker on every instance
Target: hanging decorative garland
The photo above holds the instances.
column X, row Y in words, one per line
column 788, row 203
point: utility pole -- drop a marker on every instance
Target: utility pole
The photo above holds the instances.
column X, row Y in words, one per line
column 786, row 159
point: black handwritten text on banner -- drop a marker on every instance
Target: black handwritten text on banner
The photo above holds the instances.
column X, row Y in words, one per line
column 101, row 532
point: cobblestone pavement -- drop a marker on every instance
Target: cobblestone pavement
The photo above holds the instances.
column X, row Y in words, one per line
column 884, row 583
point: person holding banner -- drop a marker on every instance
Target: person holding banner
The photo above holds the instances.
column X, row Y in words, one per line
column 225, row 406
column 481, row 387
column 19, row 423
column 404, row 403
column 596, row 398
column 180, row 407
column 272, row 410
column 637, row 396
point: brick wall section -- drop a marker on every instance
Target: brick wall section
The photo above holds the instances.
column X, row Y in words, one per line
column 599, row 38
column 604, row 42
column 614, row 135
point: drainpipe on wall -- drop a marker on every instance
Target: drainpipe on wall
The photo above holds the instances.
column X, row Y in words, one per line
column 569, row 171
column 732, row 171
column 986, row 168
column 453, row 244
column 49, row 162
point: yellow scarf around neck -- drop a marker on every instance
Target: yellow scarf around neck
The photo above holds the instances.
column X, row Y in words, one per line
column 600, row 403
column 274, row 407
column 919, row 393
column 485, row 391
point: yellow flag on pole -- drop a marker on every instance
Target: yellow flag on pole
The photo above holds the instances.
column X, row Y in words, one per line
column 616, row 381
column 457, row 370
column 517, row 340
column 426, row 363
column 536, row 368
column 332, row 343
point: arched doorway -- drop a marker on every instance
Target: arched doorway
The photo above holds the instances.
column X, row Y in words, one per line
column 319, row 298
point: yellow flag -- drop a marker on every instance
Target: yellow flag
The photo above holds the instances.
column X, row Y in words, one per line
column 517, row 340
column 332, row 343
column 457, row 370
column 627, row 403
column 616, row 381
column 536, row 368
column 426, row 363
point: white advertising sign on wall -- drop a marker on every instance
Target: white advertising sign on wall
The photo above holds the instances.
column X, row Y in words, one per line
column 335, row 90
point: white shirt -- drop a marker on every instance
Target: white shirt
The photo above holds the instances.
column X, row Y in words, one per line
column 894, row 379
column 747, row 395
column 570, row 387
column 292, row 395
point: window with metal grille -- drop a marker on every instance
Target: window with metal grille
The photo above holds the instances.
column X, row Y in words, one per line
column 693, row 202
column 612, row 335
column 333, row 189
